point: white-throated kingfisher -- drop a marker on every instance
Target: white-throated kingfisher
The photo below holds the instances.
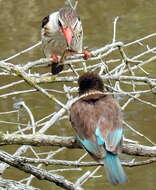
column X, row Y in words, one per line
column 97, row 120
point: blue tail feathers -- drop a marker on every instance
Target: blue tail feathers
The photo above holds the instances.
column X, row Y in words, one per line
column 114, row 170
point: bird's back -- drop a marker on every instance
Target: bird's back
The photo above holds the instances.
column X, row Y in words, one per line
column 93, row 110
column 97, row 120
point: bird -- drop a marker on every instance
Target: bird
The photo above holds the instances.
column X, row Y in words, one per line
column 61, row 35
column 96, row 118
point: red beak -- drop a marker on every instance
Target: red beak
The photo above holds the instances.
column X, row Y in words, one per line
column 68, row 35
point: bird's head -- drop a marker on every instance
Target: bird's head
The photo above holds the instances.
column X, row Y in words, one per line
column 68, row 21
column 65, row 21
column 90, row 81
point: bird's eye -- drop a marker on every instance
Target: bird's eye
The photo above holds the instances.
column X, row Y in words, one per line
column 60, row 24
column 45, row 21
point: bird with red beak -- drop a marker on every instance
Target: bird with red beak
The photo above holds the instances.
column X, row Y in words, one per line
column 61, row 32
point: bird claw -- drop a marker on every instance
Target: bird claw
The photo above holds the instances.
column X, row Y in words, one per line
column 86, row 54
column 54, row 58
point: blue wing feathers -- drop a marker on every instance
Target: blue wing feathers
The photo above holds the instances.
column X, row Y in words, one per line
column 114, row 138
column 89, row 146
column 114, row 170
column 99, row 129
column 99, row 138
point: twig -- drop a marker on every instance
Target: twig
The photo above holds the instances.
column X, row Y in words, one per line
column 23, row 51
column 22, row 103
column 138, row 133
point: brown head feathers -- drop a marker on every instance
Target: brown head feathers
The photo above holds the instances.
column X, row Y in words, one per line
column 90, row 81
column 68, row 16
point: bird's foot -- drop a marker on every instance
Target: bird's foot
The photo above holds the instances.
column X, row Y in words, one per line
column 86, row 54
column 55, row 58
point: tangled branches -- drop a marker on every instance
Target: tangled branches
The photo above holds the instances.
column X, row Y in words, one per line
column 127, row 77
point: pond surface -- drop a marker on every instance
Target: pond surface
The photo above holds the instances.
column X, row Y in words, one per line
column 20, row 28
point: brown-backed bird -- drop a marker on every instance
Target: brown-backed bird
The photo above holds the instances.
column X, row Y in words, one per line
column 97, row 120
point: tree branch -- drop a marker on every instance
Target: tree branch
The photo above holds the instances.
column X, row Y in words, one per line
column 37, row 172
column 69, row 142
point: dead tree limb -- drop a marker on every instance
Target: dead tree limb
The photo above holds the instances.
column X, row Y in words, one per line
column 38, row 172
column 69, row 142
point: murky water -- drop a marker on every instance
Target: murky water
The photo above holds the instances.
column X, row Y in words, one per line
column 20, row 22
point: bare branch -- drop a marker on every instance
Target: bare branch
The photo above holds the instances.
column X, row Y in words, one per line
column 69, row 142
column 39, row 173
